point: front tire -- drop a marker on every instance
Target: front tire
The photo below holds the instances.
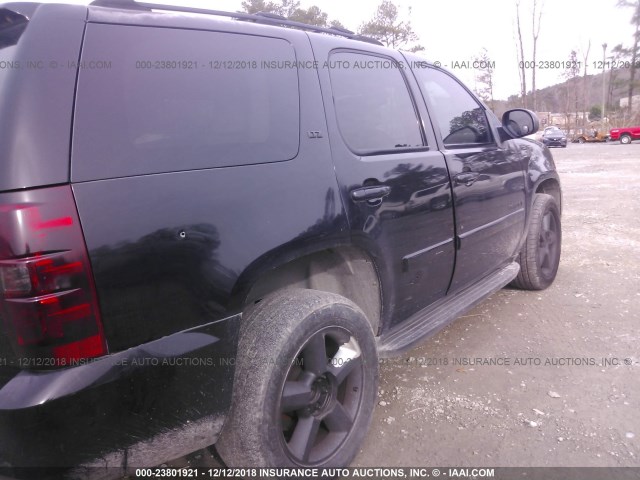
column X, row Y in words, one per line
column 305, row 383
column 540, row 255
column 625, row 139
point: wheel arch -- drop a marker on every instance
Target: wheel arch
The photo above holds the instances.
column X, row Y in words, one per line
column 340, row 268
column 541, row 174
column 551, row 186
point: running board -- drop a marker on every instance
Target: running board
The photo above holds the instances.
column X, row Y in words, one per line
column 436, row 316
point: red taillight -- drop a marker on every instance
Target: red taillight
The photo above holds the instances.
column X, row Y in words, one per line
column 48, row 299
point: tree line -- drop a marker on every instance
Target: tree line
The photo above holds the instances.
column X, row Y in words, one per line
column 616, row 71
column 387, row 25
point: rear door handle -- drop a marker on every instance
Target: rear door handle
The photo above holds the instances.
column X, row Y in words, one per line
column 467, row 178
column 370, row 194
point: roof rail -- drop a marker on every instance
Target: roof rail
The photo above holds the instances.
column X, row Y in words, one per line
column 261, row 17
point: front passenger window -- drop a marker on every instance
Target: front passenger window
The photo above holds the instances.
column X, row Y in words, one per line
column 461, row 119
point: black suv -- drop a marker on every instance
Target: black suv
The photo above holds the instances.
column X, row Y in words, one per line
column 213, row 224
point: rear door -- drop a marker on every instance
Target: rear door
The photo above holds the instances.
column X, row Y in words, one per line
column 393, row 180
column 488, row 179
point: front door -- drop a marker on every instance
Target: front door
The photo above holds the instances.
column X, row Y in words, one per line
column 488, row 179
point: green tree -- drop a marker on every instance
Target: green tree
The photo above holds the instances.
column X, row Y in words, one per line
column 595, row 113
column 521, row 60
column 535, row 30
column 286, row 8
column 618, row 54
column 289, row 7
column 311, row 16
column 291, row 10
column 255, row 6
column 585, row 85
column 635, row 21
column 336, row 24
column 572, row 73
column 484, row 77
column 387, row 27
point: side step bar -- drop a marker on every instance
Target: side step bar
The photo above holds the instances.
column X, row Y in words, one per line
column 436, row 316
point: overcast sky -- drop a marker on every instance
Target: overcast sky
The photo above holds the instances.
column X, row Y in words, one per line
column 456, row 30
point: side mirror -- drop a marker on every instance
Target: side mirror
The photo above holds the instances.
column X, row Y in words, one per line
column 519, row 122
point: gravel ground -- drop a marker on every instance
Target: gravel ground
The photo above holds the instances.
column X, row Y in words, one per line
column 582, row 411
column 570, row 393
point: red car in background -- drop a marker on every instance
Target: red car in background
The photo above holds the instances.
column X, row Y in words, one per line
column 625, row 135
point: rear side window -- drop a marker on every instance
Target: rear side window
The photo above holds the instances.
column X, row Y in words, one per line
column 12, row 26
column 373, row 106
column 154, row 100
column 461, row 119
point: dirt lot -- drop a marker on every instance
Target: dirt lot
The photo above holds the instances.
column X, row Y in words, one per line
column 570, row 394
column 579, row 413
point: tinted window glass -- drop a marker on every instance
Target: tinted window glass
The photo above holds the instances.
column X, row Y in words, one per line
column 12, row 25
column 373, row 106
column 461, row 119
column 172, row 99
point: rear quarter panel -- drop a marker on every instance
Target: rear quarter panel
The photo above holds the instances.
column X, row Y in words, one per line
column 168, row 248
column 36, row 97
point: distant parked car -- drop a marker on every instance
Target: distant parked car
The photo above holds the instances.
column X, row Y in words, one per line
column 625, row 135
column 554, row 137
column 591, row 136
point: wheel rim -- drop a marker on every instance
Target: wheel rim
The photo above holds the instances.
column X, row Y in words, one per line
column 548, row 245
column 625, row 139
column 321, row 396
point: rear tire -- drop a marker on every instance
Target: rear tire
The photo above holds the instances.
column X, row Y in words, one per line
column 540, row 254
column 305, row 383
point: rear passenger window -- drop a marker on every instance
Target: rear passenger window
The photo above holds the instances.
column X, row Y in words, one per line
column 373, row 106
column 12, row 26
column 159, row 100
column 461, row 119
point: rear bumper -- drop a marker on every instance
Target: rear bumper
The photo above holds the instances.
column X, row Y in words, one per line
column 135, row 408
